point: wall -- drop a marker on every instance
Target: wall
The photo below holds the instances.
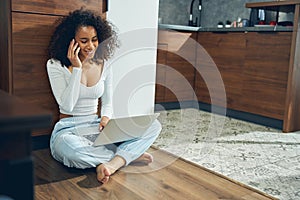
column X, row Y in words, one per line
column 213, row 11
column 134, row 63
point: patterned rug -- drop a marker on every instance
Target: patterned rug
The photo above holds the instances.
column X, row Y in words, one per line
column 261, row 157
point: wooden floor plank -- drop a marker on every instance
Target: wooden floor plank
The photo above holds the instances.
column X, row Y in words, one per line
column 168, row 177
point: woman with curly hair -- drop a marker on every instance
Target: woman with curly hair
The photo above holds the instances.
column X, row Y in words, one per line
column 79, row 75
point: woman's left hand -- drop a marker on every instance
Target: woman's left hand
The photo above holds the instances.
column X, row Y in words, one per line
column 103, row 122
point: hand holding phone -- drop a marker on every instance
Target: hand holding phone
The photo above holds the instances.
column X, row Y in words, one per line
column 73, row 52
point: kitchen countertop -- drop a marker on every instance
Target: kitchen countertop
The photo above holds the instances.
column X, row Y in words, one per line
column 232, row 29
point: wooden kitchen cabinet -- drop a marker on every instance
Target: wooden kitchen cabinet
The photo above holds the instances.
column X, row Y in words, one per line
column 162, row 49
column 291, row 116
column 265, row 73
column 26, row 28
column 30, row 35
column 220, row 58
column 176, row 60
column 55, row 7
column 253, row 67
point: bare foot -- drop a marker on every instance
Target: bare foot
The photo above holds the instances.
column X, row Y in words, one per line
column 146, row 159
column 103, row 173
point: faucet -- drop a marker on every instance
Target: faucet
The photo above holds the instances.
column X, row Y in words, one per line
column 191, row 22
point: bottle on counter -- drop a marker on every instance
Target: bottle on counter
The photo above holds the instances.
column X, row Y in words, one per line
column 253, row 19
column 261, row 16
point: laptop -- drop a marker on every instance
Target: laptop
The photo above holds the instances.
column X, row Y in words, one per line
column 118, row 130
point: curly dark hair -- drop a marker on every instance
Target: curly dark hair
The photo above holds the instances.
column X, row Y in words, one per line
column 66, row 29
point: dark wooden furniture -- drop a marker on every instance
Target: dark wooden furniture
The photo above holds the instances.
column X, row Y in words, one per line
column 17, row 120
column 224, row 53
column 26, row 27
column 265, row 73
column 291, row 119
column 168, row 177
column 161, row 72
column 175, row 70
column 253, row 66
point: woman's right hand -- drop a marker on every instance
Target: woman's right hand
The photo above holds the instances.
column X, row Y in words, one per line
column 103, row 122
column 73, row 52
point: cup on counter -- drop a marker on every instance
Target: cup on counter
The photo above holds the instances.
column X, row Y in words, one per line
column 228, row 24
column 220, row 25
column 245, row 22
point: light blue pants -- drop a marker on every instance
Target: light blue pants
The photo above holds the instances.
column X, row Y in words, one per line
column 74, row 150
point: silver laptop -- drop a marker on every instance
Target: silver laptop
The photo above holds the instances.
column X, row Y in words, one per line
column 122, row 129
column 118, row 130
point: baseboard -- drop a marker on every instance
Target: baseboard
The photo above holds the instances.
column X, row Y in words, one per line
column 249, row 117
column 175, row 105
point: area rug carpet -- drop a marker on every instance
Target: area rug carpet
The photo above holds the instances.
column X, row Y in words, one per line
column 261, row 157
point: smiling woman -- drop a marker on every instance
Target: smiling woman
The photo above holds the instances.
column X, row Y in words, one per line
column 77, row 25
column 79, row 76
column 87, row 40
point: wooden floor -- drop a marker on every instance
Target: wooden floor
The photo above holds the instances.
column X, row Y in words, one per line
column 167, row 177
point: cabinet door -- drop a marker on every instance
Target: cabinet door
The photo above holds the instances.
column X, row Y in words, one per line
column 57, row 7
column 266, row 73
column 220, row 53
column 180, row 65
column 30, row 37
column 162, row 49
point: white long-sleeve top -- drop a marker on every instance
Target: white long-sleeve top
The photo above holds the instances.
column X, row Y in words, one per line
column 73, row 97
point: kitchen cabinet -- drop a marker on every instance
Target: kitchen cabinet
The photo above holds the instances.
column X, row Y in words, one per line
column 26, row 28
column 220, row 53
column 291, row 119
column 162, row 49
column 175, row 69
column 265, row 73
column 253, row 67
column 56, row 7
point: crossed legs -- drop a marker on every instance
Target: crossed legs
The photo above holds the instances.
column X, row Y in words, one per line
column 105, row 170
